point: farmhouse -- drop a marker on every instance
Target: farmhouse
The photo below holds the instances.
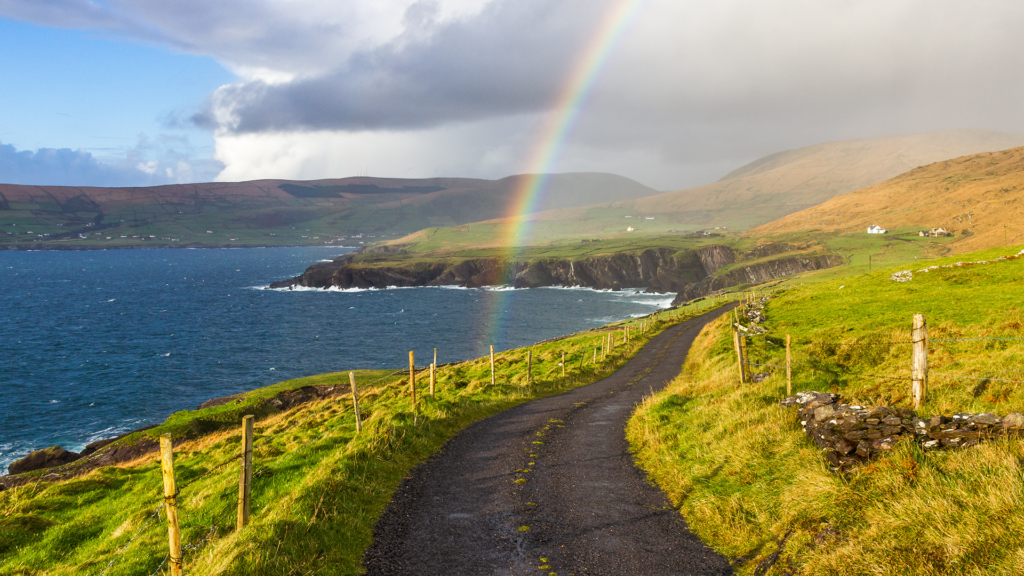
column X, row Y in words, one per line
column 876, row 229
column 935, row 233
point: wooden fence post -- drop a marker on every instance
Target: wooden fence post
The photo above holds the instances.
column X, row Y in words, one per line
column 492, row 364
column 171, row 504
column 919, row 366
column 433, row 367
column 355, row 401
column 435, row 356
column 529, row 365
column 739, row 353
column 245, row 477
column 412, row 377
column 789, row 367
column 595, row 355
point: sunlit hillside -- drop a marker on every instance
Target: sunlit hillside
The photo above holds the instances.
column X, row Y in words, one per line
column 978, row 198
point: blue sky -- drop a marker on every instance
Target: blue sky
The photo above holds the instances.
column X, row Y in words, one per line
column 150, row 91
column 88, row 90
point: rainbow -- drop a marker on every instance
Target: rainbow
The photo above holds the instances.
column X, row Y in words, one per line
column 553, row 136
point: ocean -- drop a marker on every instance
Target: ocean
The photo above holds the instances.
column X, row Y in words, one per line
column 97, row 343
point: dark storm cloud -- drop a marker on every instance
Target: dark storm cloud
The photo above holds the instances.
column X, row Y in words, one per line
column 511, row 58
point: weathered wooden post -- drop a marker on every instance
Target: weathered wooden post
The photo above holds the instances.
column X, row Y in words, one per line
column 412, row 377
column 355, row 401
column 171, row 504
column 595, row 355
column 432, row 379
column 245, row 478
column 435, row 356
column 492, row 364
column 529, row 365
column 789, row 366
column 919, row 366
column 739, row 352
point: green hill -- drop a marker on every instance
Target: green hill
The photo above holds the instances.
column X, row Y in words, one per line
column 273, row 212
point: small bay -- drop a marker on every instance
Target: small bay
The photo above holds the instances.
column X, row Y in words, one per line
column 96, row 343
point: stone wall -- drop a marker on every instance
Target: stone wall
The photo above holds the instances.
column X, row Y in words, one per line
column 852, row 434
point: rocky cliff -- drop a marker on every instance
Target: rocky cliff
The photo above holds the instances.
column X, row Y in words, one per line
column 690, row 273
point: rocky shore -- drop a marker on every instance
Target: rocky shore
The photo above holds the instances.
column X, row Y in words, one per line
column 691, row 274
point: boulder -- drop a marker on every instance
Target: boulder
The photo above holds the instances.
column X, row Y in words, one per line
column 40, row 459
column 1013, row 421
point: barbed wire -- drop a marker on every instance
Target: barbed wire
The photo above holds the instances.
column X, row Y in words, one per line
column 976, row 377
column 155, row 514
column 972, row 339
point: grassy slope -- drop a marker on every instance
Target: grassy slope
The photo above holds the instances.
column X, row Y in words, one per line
column 318, row 489
column 267, row 213
column 744, row 474
column 979, row 197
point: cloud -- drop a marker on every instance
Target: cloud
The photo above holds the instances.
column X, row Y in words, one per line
column 462, row 87
column 66, row 167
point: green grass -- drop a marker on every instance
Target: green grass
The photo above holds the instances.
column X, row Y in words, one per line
column 744, row 475
column 318, row 488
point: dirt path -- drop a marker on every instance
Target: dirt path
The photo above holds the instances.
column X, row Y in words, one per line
column 584, row 508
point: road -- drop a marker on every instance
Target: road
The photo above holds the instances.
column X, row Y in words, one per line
column 548, row 487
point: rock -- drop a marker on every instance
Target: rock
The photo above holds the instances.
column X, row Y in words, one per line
column 892, row 421
column 1014, row 421
column 864, row 449
column 930, row 444
column 844, row 446
column 40, row 459
column 885, row 443
column 987, row 419
column 804, row 399
column 833, row 458
column 822, row 413
column 760, row 377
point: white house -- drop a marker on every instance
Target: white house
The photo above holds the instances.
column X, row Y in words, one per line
column 875, row 229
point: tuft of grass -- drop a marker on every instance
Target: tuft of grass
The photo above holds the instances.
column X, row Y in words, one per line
column 744, row 475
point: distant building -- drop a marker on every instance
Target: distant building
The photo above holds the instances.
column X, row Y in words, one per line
column 934, row 233
column 629, row 229
column 876, row 229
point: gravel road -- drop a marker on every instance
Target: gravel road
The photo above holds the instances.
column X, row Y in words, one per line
column 580, row 506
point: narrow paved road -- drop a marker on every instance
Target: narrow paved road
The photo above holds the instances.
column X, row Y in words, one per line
column 584, row 508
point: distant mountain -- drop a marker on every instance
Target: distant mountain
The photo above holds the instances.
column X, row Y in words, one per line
column 786, row 182
column 268, row 212
column 980, row 198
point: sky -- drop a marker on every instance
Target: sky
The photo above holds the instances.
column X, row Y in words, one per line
column 122, row 93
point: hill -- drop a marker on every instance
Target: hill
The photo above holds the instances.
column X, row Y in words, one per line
column 754, row 194
column 977, row 197
column 273, row 212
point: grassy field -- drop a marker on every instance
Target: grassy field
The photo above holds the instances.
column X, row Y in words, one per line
column 751, row 484
column 318, row 487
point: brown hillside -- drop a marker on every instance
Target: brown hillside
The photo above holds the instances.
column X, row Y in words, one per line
column 790, row 181
column 974, row 196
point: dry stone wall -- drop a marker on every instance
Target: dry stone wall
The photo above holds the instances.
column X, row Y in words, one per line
column 852, row 434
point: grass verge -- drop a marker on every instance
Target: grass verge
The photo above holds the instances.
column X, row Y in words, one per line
column 756, row 489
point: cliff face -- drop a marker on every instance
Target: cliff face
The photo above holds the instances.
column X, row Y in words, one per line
column 756, row 274
column 691, row 274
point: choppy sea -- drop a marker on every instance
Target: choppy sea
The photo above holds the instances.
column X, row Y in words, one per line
column 96, row 343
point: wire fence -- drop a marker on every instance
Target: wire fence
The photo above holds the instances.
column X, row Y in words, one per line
column 599, row 352
column 767, row 354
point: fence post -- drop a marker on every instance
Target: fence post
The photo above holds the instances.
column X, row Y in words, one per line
column 529, row 365
column 919, row 366
column 433, row 367
column 789, row 367
column 739, row 353
column 435, row 356
column 245, row 478
column 355, row 400
column 412, row 377
column 171, row 504
column 595, row 356
column 492, row 364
